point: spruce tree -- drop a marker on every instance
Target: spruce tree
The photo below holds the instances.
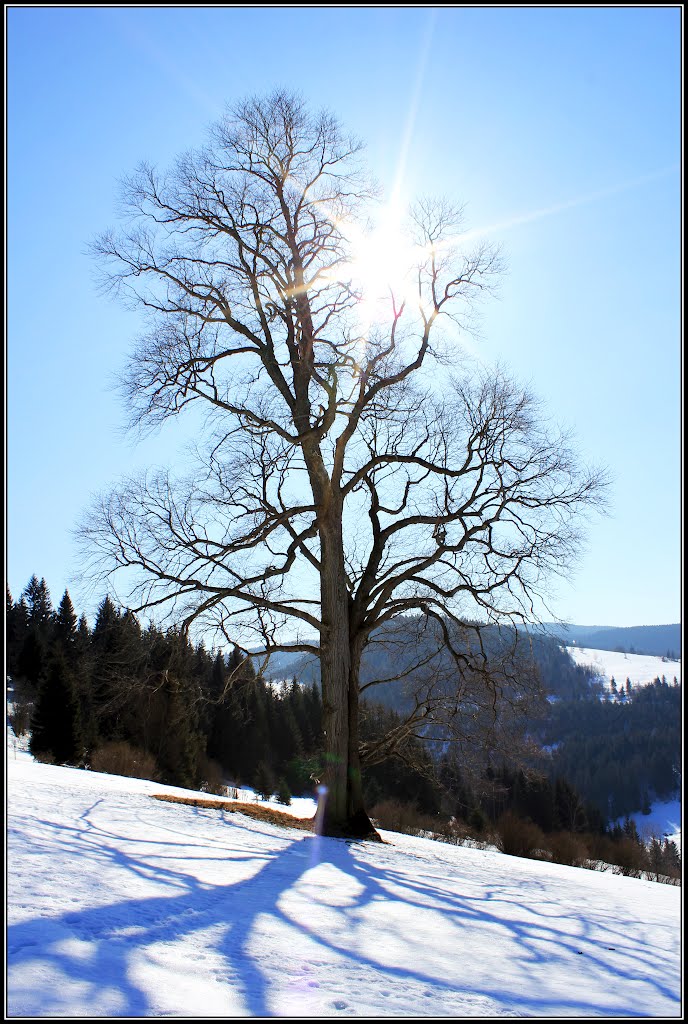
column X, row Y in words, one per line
column 66, row 627
column 264, row 780
column 117, row 665
column 32, row 658
column 283, row 791
column 630, row 829
column 37, row 597
column 221, row 728
column 32, row 663
column 16, row 625
column 56, row 721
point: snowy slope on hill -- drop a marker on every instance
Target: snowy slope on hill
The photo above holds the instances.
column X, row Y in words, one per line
column 121, row 905
column 639, row 668
column 664, row 819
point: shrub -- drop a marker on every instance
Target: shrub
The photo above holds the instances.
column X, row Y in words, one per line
column 20, row 717
column 44, row 757
column 396, row 816
column 520, row 838
column 283, row 792
column 123, row 759
column 477, row 819
column 567, row 848
column 629, row 857
column 211, row 777
column 600, row 849
column 459, row 833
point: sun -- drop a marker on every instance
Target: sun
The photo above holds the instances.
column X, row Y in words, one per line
column 383, row 267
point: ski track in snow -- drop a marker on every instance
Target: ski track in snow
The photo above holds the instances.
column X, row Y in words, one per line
column 120, row 905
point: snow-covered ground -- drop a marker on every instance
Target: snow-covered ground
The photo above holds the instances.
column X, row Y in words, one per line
column 300, row 806
column 122, row 905
column 639, row 668
column 664, row 819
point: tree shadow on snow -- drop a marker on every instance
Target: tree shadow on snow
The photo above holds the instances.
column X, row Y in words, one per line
column 118, row 935
column 542, row 935
column 115, row 933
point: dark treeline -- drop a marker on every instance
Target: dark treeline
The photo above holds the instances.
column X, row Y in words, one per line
column 660, row 641
column 130, row 699
column 553, row 805
column 191, row 716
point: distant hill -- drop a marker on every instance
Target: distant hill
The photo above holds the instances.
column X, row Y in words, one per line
column 660, row 641
column 657, row 640
column 284, row 665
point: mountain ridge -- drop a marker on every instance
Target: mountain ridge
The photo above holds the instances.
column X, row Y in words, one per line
column 659, row 641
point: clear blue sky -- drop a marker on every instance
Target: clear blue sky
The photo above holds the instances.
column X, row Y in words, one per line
column 559, row 127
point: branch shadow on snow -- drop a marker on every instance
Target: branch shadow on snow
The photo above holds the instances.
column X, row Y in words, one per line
column 115, row 933
column 101, row 947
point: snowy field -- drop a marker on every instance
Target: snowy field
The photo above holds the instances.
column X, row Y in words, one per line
column 639, row 668
column 120, row 905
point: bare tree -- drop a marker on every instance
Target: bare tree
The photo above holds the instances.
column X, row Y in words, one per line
column 347, row 477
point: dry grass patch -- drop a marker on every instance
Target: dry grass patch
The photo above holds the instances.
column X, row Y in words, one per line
column 268, row 814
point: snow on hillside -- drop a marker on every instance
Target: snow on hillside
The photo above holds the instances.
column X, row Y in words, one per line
column 121, row 905
column 664, row 819
column 639, row 668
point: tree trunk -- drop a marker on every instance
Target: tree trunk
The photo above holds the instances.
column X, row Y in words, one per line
column 359, row 823
column 344, row 813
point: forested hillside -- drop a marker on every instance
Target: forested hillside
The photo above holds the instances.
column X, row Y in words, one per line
column 621, row 753
column 395, row 650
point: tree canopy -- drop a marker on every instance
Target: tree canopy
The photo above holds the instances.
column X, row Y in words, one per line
column 354, row 466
